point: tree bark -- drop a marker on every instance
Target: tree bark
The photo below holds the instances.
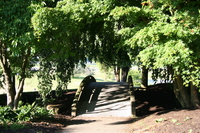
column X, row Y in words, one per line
column 144, row 82
column 117, row 73
column 10, row 90
column 188, row 97
column 182, row 92
column 13, row 94
column 18, row 93
column 132, row 96
column 194, row 96
column 5, row 65
column 125, row 71
column 22, row 79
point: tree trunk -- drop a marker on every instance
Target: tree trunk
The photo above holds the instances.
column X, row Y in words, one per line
column 10, row 90
column 13, row 95
column 117, row 73
column 132, row 96
column 182, row 93
column 194, row 96
column 22, row 79
column 144, row 82
column 188, row 97
column 125, row 71
column 7, row 73
column 18, row 93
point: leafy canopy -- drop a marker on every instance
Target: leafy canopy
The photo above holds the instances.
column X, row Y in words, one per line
column 166, row 33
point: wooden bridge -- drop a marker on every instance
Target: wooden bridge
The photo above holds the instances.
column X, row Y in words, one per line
column 104, row 99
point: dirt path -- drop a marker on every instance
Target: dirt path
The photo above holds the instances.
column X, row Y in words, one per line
column 174, row 121
column 98, row 125
column 110, row 113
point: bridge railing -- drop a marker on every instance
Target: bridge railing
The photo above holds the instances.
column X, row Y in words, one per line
column 81, row 95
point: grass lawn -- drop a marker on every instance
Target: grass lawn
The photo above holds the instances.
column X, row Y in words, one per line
column 32, row 83
column 79, row 74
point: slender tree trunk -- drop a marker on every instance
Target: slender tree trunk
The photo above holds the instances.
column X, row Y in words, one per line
column 125, row 71
column 144, row 82
column 18, row 93
column 22, row 79
column 117, row 73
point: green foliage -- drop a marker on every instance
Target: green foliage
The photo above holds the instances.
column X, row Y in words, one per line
column 17, row 44
column 16, row 31
column 163, row 33
column 7, row 115
column 108, row 71
column 25, row 112
column 76, row 30
column 162, row 74
column 160, row 120
column 61, row 34
column 80, row 70
column 58, row 30
column 136, row 75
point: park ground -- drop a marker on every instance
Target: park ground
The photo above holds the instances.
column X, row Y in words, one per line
column 160, row 121
column 174, row 121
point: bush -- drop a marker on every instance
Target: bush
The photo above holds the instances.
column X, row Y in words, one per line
column 7, row 115
column 26, row 112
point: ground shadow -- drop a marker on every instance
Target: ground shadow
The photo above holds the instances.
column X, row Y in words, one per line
column 128, row 121
column 156, row 98
column 79, row 121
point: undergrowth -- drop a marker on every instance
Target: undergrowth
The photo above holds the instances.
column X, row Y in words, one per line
column 14, row 119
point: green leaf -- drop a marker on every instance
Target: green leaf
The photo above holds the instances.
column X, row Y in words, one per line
column 160, row 120
column 174, row 120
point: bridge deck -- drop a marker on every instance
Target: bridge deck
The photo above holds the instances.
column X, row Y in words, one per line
column 109, row 99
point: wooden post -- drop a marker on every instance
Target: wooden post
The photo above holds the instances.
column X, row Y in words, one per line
column 132, row 96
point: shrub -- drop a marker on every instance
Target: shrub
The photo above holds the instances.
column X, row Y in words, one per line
column 26, row 112
column 7, row 115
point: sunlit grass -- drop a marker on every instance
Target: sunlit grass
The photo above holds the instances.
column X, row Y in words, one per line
column 32, row 83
